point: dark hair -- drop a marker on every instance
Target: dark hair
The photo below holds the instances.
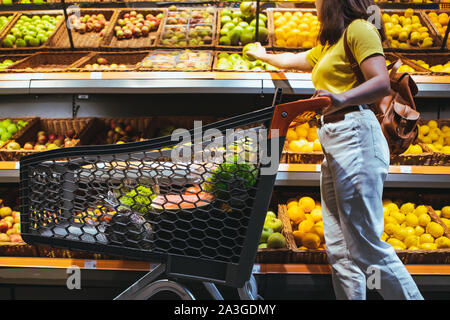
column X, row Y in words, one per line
column 336, row 16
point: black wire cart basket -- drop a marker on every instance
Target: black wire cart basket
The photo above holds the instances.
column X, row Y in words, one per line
column 195, row 201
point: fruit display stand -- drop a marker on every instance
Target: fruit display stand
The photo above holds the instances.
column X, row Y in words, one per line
column 142, row 42
column 439, row 32
column 432, row 59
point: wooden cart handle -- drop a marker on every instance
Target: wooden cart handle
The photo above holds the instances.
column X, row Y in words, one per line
column 285, row 113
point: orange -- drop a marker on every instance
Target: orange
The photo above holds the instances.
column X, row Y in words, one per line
column 307, row 204
column 280, row 22
column 277, row 15
column 296, row 214
column 305, row 226
column 291, row 43
column 279, row 34
column 294, row 33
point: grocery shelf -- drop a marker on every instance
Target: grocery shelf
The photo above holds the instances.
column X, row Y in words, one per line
column 183, row 82
column 130, row 265
column 309, row 175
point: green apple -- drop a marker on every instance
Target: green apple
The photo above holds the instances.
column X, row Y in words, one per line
column 262, row 246
column 276, row 241
column 226, row 12
column 271, row 214
column 225, row 19
column 224, row 41
column 275, row 224
column 249, row 47
column 265, row 234
column 262, row 34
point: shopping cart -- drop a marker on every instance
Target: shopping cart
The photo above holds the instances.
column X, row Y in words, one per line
column 195, row 205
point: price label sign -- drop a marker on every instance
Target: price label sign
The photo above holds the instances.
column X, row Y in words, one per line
column 96, row 75
column 256, row 268
column 90, row 264
column 405, row 169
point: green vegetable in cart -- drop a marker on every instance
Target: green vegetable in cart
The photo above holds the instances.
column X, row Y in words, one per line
column 138, row 199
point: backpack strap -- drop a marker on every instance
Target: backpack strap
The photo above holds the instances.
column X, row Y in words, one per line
column 353, row 63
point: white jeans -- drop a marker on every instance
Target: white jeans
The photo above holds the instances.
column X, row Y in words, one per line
column 353, row 173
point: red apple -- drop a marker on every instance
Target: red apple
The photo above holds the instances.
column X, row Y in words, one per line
column 15, row 238
column 145, row 31
column 3, row 226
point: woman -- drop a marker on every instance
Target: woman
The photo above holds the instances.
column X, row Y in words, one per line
column 356, row 153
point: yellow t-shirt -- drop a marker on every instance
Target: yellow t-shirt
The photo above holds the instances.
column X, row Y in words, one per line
column 331, row 68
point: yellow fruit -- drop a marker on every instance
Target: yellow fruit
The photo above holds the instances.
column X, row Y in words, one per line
column 392, row 207
column 317, row 146
column 296, row 214
column 390, row 228
column 316, row 215
column 419, row 230
column 400, row 233
column 445, row 212
column 296, row 146
column 424, row 130
column 435, row 229
column 432, row 124
column 420, row 210
column 396, row 243
column 386, row 202
column 426, row 238
column 291, row 135
column 389, row 219
column 319, row 231
column 413, row 248
column 307, row 204
column 411, row 220
column 424, row 220
column 438, row 212
column 301, row 131
column 443, row 19
column 407, row 208
column 412, row 241
column 442, row 243
column 298, row 235
column 409, row 12
column 384, row 236
column 281, row 43
column 312, row 134
column 428, row 246
column 397, row 215
column 311, row 240
column 292, row 203
column 410, row 232
column 305, row 226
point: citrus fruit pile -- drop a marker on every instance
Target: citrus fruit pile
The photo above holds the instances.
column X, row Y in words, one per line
column 305, row 215
column 407, row 31
column 303, row 138
column 410, row 227
column 295, row 29
column 440, row 20
column 439, row 68
column 437, row 139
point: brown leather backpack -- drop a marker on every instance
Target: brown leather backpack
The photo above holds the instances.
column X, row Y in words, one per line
column 396, row 112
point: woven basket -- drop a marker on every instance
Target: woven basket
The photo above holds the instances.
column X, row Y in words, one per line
column 131, row 60
column 16, row 58
column 299, row 255
column 431, row 59
column 17, row 249
column 45, row 45
column 270, row 18
column 143, row 125
column 111, row 42
column 31, row 121
column 86, row 40
column 215, row 68
column 188, row 26
column 282, row 255
column 435, row 29
column 266, row 44
column 437, row 41
column 422, row 159
column 49, row 62
column 83, row 127
column 176, row 59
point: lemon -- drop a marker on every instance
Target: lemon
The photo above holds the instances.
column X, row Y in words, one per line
column 424, row 130
column 389, row 219
column 301, row 132
column 386, row 202
column 411, row 220
column 305, row 226
column 296, row 214
column 428, row 246
column 419, row 230
column 420, row 210
column 445, row 212
column 426, row 238
column 307, row 204
column 424, row 219
column 413, row 248
column 397, row 215
column 396, row 243
column 389, row 228
column 392, row 207
column 438, row 213
column 407, row 208
column 316, row 214
column 320, row 223
column 292, row 203
column 410, row 231
column 298, row 236
column 384, row 236
column 291, row 135
column 317, row 146
column 432, row 124
column 446, row 222
column 435, row 229
column 412, row 241
column 400, row 233
column 311, row 240
column 442, row 243
column 319, row 231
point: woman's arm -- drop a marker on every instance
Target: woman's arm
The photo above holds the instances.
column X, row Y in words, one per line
column 376, row 86
column 288, row 60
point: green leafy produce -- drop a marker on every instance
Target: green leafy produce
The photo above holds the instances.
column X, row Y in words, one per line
column 138, row 199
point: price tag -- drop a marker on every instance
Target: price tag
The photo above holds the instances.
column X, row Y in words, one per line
column 405, row 169
column 96, row 75
column 256, row 268
column 17, row 166
column 318, row 167
column 90, row 264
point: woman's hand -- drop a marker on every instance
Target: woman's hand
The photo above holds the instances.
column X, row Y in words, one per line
column 338, row 101
column 259, row 52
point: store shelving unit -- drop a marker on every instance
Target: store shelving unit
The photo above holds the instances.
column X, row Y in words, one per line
column 19, row 85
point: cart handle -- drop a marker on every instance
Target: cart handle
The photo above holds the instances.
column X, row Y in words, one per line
column 285, row 113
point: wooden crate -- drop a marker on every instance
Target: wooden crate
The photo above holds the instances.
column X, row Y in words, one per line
column 421, row 159
column 131, row 60
column 44, row 46
column 433, row 25
column 49, row 62
column 266, row 44
column 160, row 43
column 88, row 40
column 431, row 59
column 83, row 128
column 112, row 43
